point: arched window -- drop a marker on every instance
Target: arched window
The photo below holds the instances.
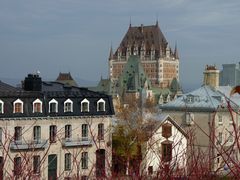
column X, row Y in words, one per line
column 53, row 106
column 18, row 106
column 85, row 105
column 37, row 106
column 68, row 105
column 101, row 105
column 1, row 107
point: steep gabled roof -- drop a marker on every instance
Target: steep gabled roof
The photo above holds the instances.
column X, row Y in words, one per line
column 160, row 119
column 133, row 77
column 147, row 35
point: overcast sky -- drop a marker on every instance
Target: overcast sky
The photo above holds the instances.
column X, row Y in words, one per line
column 75, row 36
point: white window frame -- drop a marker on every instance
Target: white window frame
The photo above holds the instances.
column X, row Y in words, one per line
column 49, row 105
column 68, row 101
column 37, row 101
column 85, row 101
column 220, row 138
column 220, row 119
column 101, row 101
column 2, row 104
column 15, row 102
column 189, row 118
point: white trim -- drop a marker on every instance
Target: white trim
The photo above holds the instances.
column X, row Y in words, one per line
column 51, row 102
column 2, row 104
column 68, row 101
column 101, row 101
column 18, row 101
column 84, row 101
column 37, row 101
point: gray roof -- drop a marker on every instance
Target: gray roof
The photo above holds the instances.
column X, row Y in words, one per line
column 205, row 98
column 60, row 92
column 6, row 87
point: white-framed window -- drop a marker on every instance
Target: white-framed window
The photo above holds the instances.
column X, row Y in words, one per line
column 189, row 118
column 220, row 122
column 18, row 106
column 53, row 106
column 1, row 107
column 68, row 105
column 220, row 138
column 101, row 105
column 85, row 105
column 37, row 106
column 190, row 99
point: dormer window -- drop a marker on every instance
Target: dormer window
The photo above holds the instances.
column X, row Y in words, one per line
column 85, row 105
column 190, row 99
column 18, row 106
column 37, row 106
column 68, row 105
column 160, row 100
column 53, row 106
column 1, row 107
column 101, row 105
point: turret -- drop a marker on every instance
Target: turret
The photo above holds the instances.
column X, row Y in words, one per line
column 176, row 52
column 110, row 54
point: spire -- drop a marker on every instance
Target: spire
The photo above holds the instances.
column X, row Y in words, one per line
column 157, row 22
column 157, row 19
column 130, row 23
column 176, row 52
column 111, row 53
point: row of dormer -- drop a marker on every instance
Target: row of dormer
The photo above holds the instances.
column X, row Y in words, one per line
column 53, row 106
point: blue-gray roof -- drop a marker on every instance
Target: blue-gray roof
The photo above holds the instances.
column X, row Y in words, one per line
column 205, row 98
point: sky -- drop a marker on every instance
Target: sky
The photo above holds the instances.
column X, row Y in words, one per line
column 53, row 36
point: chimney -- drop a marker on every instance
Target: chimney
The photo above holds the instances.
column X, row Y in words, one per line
column 211, row 76
column 32, row 83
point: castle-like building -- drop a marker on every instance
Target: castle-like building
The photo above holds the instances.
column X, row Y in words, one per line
column 160, row 62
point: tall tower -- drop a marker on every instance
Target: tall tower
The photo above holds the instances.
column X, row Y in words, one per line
column 211, row 76
column 160, row 63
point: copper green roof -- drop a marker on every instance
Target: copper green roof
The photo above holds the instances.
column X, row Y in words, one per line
column 133, row 77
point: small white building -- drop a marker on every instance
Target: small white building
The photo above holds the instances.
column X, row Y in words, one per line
column 166, row 147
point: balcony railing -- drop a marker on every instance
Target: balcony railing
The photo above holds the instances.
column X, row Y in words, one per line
column 71, row 142
column 24, row 145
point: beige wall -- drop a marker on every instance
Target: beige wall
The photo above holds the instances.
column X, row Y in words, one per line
column 57, row 148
